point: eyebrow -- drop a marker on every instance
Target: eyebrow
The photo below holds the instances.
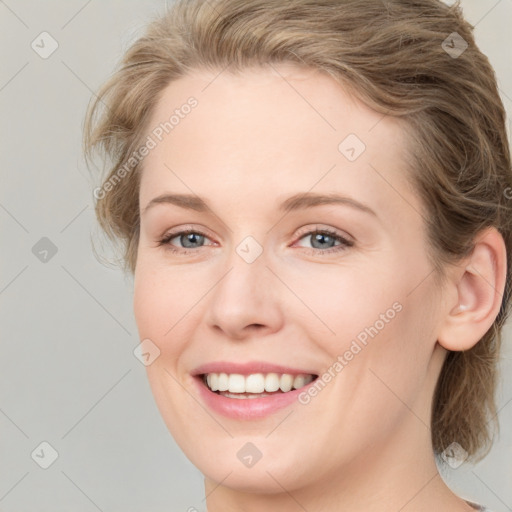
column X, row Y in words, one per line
column 296, row 202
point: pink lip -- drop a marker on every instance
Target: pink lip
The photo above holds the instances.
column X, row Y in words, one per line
column 246, row 408
column 247, row 368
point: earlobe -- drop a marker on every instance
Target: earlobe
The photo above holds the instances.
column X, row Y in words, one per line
column 479, row 286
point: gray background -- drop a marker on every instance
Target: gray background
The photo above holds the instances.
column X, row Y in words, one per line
column 69, row 376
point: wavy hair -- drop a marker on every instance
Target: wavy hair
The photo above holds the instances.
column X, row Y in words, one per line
column 402, row 58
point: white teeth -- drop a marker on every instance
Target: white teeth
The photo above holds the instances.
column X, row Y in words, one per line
column 256, row 383
column 272, row 381
column 243, row 395
column 299, row 381
column 212, row 381
column 286, row 382
column 223, row 382
column 236, row 383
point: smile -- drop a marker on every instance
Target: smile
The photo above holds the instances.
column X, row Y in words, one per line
column 249, row 391
column 255, row 385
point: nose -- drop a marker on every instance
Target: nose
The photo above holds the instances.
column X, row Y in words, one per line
column 245, row 302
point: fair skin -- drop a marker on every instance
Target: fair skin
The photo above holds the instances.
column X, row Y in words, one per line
column 363, row 442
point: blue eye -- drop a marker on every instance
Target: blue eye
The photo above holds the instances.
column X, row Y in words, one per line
column 188, row 239
column 322, row 240
column 326, row 241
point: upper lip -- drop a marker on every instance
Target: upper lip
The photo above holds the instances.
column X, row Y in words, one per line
column 247, row 368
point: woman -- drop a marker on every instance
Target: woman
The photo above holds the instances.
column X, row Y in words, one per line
column 314, row 201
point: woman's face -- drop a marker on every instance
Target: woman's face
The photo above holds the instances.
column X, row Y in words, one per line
column 272, row 282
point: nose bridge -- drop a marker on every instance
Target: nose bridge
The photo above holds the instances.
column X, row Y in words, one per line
column 246, row 284
column 244, row 296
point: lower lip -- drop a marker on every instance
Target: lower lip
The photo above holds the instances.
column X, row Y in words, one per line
column 246, row 408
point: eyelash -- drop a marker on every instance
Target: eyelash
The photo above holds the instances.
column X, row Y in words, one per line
column 344, row 243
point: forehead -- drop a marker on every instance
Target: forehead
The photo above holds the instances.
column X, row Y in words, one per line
column 296, row 103
column 266, row 129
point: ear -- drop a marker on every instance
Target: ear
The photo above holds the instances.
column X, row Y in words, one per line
column 478, row 284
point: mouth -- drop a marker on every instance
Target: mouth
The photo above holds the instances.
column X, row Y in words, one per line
column 254, row 385
column 250, row 390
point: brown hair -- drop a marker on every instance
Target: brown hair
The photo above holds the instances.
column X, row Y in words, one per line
column 398, row 58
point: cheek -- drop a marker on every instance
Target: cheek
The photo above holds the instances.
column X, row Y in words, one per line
column 162, row 296
column 149, row 303
column 380, row 331
column 392, row 366
column 340, row 304
column 160, row 303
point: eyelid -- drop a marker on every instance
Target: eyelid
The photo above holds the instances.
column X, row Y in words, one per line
column 344, row 240
column 344, row 243
column 185, row 229
column 313, row 228
column 182, row 232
